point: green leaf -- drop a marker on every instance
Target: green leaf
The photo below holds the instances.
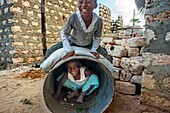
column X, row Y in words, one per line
column 26, row 101
column 80, row 109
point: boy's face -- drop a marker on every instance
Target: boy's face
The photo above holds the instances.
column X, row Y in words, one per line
column 73, row 68
column 86, row 7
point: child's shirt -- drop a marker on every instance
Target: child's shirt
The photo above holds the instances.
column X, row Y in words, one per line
column 82, row 77
column 76, row 32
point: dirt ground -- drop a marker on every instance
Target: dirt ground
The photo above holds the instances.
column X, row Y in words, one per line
column 21, row 92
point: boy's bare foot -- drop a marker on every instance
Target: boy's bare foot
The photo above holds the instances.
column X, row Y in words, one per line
column 74, row 93
column 95, row 92
column 81, row 97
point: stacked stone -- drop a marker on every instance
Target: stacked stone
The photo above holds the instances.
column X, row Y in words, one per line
column 126, row 54
column 6, row 37
column 27, row 45
column 105, row 14
column 20, row 28
column 156, row 77
column 57, row 13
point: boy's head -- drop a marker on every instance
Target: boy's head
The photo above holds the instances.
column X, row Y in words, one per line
column 95, row 1
column 73, row 67
column 86, row 7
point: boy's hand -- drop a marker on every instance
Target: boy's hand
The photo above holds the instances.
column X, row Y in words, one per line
column 69, row 54
column 56, row 97
column 96, row 54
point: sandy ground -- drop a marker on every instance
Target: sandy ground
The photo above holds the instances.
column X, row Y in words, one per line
column 25, row 83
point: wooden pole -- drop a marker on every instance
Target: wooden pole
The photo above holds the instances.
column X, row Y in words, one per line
column 43, row 27
column 133, row 20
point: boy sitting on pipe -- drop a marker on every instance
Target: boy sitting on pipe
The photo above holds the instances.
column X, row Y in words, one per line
column 77, row 77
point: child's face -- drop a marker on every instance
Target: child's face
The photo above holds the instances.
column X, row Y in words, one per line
column 86, row 7
column 73, row 68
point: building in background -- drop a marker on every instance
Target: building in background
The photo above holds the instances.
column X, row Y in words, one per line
column 105, row 14
column 116, row 27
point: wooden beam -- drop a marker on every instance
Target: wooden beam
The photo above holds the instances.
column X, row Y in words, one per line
column 43, row 27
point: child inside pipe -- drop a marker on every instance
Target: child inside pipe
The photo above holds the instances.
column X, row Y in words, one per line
column 77, row 77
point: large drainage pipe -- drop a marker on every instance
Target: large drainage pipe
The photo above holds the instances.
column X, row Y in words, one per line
column 92, row 104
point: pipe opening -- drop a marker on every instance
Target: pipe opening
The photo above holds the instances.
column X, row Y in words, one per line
column 92, row 104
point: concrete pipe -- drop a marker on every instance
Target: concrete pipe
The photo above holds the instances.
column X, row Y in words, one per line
column 92, row 104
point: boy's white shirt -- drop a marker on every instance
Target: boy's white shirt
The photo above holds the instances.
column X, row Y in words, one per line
column 82, row 23
column 82, row 79
column 96, row 40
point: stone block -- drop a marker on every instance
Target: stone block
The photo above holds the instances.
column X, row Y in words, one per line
column 16, row 29
column 30, row 60
column 136, row 79
column 25, row 52
column 148, row 81
column 167, row 37
column 160, row 59
column 39, row 58
column 125, row 52
column 108, row 48
column 18, row 43
column 125, row 87
column 116, row 61
column 132, row 51
column 118, row 70
column 125, row 76
column 25, row 21
column 155, row 100
column 117, row 42
column 6, row 10
column 35, row 23
column 30, row 12
column 18, row 60
column 118, row 51
column 166, row 83
column 36, row 7
column 26, row 3
column 156, row 59
column 133, row 64
column 115, row 75
column 107, row 40
column 136, row 42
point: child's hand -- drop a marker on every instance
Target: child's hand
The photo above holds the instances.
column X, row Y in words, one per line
column 68, row 55
column 96, row 54
column 56, row 97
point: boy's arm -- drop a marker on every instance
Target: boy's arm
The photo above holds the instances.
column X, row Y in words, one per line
column 97, row 37
column 65, row 34
column 57, row 93
column 65, row 38
column 88, row 72
column 67, row 47
column 95, row 44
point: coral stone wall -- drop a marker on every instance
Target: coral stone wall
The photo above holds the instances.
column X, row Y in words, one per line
column 20, row 28
column 156, row 76
column 127, row 59
column 26, row 31
column 57, row 13
column 6, row 34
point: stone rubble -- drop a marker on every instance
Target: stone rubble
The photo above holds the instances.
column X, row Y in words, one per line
column 128, row 60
